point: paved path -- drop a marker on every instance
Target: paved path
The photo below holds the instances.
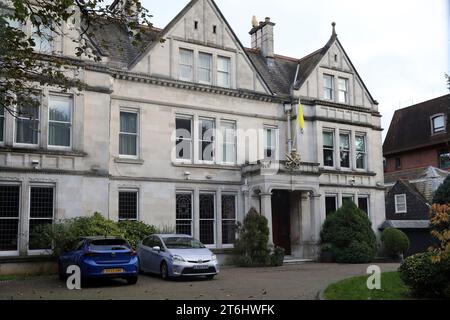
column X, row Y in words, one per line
column 293, row 282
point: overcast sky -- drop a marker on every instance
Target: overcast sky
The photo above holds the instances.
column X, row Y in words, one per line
column 399, row 47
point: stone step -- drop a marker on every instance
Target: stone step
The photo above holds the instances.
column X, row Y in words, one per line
column 293, row 261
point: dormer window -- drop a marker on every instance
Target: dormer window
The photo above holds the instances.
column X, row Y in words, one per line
column 438, row 123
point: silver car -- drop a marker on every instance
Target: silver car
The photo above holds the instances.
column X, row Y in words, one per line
column 176, row 256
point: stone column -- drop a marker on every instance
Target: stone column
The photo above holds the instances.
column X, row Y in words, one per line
column 266, row 211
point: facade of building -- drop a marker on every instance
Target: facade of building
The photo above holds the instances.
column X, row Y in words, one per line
column 191, row 133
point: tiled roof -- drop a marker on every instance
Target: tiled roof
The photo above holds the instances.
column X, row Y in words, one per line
column 411, row 127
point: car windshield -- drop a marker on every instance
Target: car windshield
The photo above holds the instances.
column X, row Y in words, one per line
column 182, row 243
column 108, row 245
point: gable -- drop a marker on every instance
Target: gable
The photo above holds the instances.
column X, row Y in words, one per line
column 332, row 60
column 417, row 207
column 201, row 28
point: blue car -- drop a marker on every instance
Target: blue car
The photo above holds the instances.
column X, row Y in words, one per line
column 176, row 256
column 101, row 257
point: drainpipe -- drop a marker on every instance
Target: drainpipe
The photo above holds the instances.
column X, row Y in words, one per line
column 288, row 111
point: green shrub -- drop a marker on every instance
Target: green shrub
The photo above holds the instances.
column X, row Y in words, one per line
column 251, row 248
column 395, row 242
column 425, row 278
column 136, row 231
column 349, row 235
column 277, row 257
column 64, row 234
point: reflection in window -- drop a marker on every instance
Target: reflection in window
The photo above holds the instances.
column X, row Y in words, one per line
column 186, row 65
column 206, row 140
column 328, row 149
column 360, row 151
column 128, row 135
column 207, row 219
column 228, row 219
column 438, row 124
column 60, row 121
column 345, row 150
column 184, row 138
column 27, row 122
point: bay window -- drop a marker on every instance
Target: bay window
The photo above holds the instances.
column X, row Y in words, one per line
column 361, row 157
column 328, row 149
column 206, row 139
column 229, row 142
column 59, row 121
column 186, row 65
column 223, row 72
column 128, row 135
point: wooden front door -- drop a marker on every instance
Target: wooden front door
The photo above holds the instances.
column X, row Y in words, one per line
column 281, row 220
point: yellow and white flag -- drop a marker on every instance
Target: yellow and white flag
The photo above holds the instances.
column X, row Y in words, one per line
column 300, row 117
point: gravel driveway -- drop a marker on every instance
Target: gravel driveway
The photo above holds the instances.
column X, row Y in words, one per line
column 292, row 282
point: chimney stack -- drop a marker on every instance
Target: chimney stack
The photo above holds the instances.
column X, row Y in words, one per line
column 263, row 39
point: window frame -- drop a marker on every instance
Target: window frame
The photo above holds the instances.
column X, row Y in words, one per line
column 333, row 149
column 18, row 218
column 129, row 190
column 71, row 112
column 275, row 142
column 345, row 92
column 336, row 204
column 39, row 128
column 442, row 129
column 364, row 153
column 326, row 89
column 181, row 64
column 190, row 139
column 396, row 203
column 46, row 186
column 441, row 153
column 348, row 150
column 228, row 245
column 192, row 219
column 200, row 140
column 137, row 134
column 3, row 131
column 214, row 221
column 228, row 72
column 199, row 68
column 38, row 40
column 225, row 142
column 367, row 198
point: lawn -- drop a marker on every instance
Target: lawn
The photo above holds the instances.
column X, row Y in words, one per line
column 392, row 288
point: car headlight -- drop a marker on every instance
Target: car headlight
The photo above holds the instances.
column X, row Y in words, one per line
column 214, row 258
column 177, row 258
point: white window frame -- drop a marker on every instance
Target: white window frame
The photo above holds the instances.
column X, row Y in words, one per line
column 200, row 141
column 128, row 190
column 228, row 73
column 137, row 134
column 228, row 245
column 358, row 134
column 191, row 66
column 71, row 111
column 329, row 149
column 225, row 142
column 274, row 147
column 12, row 253
column 367, row 197
column 397, row 204
column 192, row 220
column 199, row 67
column 345, row 92
column 191, row 139
column 39, row 185
column 28, row 145
column 433, row 128
column 328, row 89
column 213, row 193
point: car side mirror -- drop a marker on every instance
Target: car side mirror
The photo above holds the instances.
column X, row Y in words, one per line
column 157, row 249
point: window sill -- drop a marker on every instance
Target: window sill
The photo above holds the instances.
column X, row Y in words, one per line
column 36, row 150
column 208, row 166
column 129, row 161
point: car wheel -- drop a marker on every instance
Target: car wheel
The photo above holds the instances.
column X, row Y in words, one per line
column 210, row 277
column 132, row 280
column 164, row 271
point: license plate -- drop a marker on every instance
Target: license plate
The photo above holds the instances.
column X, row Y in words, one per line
column 201, row 267
column 109, row 271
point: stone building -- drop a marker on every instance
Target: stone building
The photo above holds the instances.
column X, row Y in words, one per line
column 115, row 148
